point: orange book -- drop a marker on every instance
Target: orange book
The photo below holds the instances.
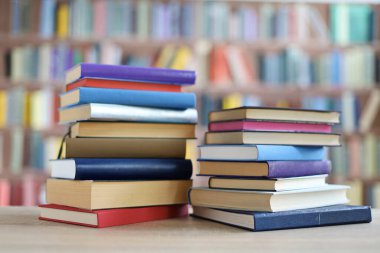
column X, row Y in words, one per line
column 126, row 85
column 219, row 70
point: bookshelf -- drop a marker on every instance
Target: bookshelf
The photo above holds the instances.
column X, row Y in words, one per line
column 272, row 53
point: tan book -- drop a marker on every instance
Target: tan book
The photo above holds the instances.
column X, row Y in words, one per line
column 125, row 148
column 275, row 114
column 132, row 129
column 269, row 201
column 273, row 138
column 95, row 195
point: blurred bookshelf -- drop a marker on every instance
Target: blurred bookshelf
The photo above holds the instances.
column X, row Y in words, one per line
column 303, row 54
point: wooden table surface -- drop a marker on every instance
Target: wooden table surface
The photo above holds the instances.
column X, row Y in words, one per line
column 21, row 231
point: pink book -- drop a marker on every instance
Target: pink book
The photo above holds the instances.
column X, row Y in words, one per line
column 268, row 126
column 5, row 192
column 99, row 17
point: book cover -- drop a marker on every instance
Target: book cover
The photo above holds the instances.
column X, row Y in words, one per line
column 170, row 100
column 121, row 169
column 158, row 75
column 304, row 218
column 117, row 84
column 110, row 217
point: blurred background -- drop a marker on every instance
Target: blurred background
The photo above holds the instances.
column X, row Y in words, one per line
column 300, row 54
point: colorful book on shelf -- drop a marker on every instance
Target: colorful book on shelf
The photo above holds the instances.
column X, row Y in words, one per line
column 111, row 112
column 304, row 218
column 121, row 169
column 269, row 169
column 131, row 129
column 260, row 153
column 275, row 114
column 252, row 125
column 272, row 138
column 118, row 84
column 267, row 184
column 93, row 195
column 155, row 99
column 110, row 217
column 269, row 201
column 124, row 148
column 129, row 73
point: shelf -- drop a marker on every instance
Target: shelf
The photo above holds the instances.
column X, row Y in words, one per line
column 53, row 131
column 32, row 84
column 288, row 91
column 152, row 43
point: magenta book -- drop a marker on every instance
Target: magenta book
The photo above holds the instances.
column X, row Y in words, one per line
column 268, row 126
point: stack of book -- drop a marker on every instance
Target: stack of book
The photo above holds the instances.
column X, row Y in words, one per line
column 267, row 170
column 125, row 156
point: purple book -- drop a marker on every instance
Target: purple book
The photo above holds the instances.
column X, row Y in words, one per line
column 269, row 169
column 129, row 73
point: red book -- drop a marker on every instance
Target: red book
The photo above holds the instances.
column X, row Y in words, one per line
column 268, row 126
column 110, row 217
column 126, row 85
column 219, row 69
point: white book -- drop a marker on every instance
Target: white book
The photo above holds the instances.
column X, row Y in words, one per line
column 111, row 112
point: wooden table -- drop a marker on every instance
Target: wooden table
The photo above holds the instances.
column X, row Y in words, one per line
column 21, row 231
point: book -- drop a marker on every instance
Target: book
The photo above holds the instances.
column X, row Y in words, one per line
column 155, row 75
column 250, row 125
column 110, row 112
column 304, row 218
column 269, row 169
column 110, row 217
column 260, row 153
column 121, row 169
column 275, row 114
column 125, row 148
column 132, row 129
column 170, row 100
column 93, row 195
column 269, row 201
column 271, row 184
column 370, row 117
column 272, row 138
column 117, row 84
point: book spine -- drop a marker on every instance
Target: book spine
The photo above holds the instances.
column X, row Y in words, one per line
column 284, row 169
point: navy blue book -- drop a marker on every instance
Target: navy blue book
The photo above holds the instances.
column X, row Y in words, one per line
column 156, row 99
column 121, row 169
column 303, row 218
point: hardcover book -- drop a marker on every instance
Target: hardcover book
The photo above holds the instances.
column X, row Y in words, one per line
column 118, row 84
column 273, row 138
column 269, row 201
column 110, row 217
column 154, row 99
column 111, row 112
column 269, row 169
column 129, row 73
column 93, row 195
column 121, row 169
column 251, row 125
column 125, row 148
column 132, row 129
column 261, row 153
column 275, row 114
column 303, row 218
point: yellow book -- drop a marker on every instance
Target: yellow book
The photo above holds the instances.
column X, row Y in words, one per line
column 3, row 108
column 165, row 57
column 63, row 20
column 27, row 109
column 232, row 101
column 181, row 58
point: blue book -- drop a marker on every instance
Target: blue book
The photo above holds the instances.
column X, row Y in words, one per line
column 121, row 169
column 261, row 153
column 47, row 18
column 169, row 100
column 303, row 218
